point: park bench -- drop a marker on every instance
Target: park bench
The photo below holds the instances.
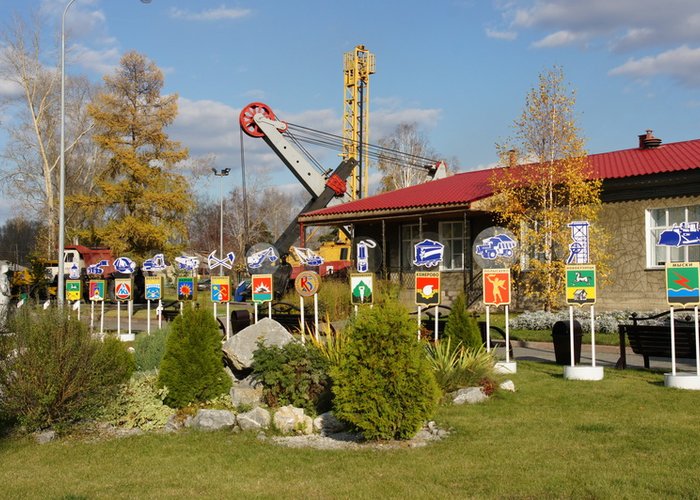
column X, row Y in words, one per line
column 652, row 340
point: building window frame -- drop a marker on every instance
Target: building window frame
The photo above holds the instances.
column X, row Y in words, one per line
column 455, row 237
column 660, row 219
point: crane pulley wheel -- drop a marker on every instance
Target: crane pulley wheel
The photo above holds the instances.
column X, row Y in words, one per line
column 246, row 118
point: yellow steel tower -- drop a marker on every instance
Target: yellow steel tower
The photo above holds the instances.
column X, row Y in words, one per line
column 357, row 67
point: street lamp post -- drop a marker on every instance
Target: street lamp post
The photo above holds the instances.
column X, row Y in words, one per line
column 61, row 292
column 221, row 173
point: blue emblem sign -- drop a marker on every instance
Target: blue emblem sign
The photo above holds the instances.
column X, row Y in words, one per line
column 125, row 265
column 308, row 257
column 256, row 259
column 157, row 263
column 499, row 245
column 226, row 262
column 96, row 269
column 578, row 249
column 187, row 263
column 74, row 273
column 428, row 253
column 685, row 234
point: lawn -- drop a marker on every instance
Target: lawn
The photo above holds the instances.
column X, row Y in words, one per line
column 625, row 436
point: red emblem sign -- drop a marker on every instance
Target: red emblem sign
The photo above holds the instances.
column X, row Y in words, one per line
column 496, row 284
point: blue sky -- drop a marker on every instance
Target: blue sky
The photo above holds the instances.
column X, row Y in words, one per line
column 460, row 69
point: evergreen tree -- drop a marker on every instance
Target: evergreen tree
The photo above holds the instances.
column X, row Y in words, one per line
column 462, row 327
column 140, row 202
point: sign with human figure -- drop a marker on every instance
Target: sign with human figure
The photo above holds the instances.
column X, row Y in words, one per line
column 682, row 287
column 580, row 285
column 496, row 284
column 427, row 288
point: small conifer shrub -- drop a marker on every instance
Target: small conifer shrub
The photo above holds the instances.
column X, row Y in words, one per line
column 462, row 328
column 192, row 368
column 383, row 384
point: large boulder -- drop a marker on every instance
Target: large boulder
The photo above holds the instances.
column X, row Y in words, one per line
column 254, row 420
column 212, row 420
column 327, row 423
column 245, row 395
column 239, row 349
column 291, row 420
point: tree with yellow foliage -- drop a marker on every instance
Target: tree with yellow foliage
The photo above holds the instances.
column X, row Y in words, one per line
column 546, row 183
column 140, row 205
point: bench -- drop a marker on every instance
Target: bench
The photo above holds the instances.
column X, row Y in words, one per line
column 654, row 340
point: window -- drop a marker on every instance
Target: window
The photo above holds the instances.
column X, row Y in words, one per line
column 410, row 235
column 672, row 220
column 452, row 236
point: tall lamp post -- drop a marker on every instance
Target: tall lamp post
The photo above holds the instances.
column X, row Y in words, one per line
column 61, row 292
column 221, row 173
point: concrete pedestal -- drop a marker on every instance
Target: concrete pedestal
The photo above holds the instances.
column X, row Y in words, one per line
column 503, row 367
column 583, row 372
column 127, row 337
column 682, row 381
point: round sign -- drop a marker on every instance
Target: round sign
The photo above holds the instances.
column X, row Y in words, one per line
column 307, row 283
column 427, row 252
column 495, row 248
column 262, row 258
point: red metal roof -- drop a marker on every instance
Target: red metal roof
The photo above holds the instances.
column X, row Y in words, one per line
column 467, row 187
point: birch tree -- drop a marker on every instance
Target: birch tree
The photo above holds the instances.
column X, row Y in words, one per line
column 546, row 182
column 404, row 169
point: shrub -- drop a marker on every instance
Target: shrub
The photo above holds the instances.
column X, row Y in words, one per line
column 331, row 344
column 52, row 372
column 456, row 367
column 294, row 374
column 462, row 327
column 139, row 404
column 192, row 368
column 383, row 384
column 605, row 322
column 150, row 349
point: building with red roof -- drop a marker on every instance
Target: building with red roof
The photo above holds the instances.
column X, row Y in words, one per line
column 646, row 190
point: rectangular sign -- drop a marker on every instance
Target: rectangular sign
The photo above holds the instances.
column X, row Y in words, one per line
column 73, row 290
column 361, row 288
column 496, row 285
column 580, row 284
column 186, row 288
column 427, row 288
column 682, row 284
column 154, row 287
column 220, row 289
column 96, row 290
column 123, row 289
column 262, row 287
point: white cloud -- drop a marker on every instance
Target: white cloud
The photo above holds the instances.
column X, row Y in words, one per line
column 558, row 39
column 501, row 35
column 681, row 64
column 216, row 14
column 101, row 61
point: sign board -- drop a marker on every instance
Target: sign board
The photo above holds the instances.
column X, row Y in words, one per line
column 428, row 253
column 427, row 289
column 123, row 289
column 186, row 288
column 73, row 289
column 580, row 284
column 96, row 290
column 496, row 285
column 220, row 289
column 682, row 284
column 307, row 283
column 154, row 287
column 361, row 288
column 262, row 287
column 495, row 248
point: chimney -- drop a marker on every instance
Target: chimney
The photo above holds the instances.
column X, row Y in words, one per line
column 512, row 158
column 648, row 141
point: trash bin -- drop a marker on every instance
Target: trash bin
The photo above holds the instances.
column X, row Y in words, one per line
column 240, row 319
column 562, row 346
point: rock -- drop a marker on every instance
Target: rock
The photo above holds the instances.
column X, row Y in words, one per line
column 211, row 420
column 470, row 395
column 245, row 395
column 327, row 423
column 45, row 437
column 239, row 348
column 507, row 385
column 255, row 419
column 289, row 419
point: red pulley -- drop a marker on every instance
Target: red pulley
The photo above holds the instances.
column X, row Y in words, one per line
column 246, row 118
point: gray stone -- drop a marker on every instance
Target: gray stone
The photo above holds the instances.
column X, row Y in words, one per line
column 327, row 423
column 254, row 420
column 507, row 385
column 239, row 348
column 291, row 420
column 211, row 420
column 45, row 437
column 245, row 395
column 470, row 395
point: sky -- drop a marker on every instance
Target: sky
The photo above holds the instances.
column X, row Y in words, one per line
column 459, row 69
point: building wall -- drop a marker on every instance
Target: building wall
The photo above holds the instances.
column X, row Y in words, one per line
column 631, row 285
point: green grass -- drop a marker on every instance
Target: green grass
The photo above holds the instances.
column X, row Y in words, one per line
column 626, row 436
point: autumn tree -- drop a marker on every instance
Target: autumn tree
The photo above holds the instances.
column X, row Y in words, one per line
column 546, row 183
column 140, row 202
column 403, row 156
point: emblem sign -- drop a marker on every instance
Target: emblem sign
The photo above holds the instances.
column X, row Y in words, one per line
column 682, row 288
column 125, row 265
column 73, row 290
column 307, row 283
column 123, row 289
column 186, row 288
column 428, row 253
column 361, row 288
column 96, row 290
column 427, row 289
column 154, row 287
column 496, row 285
column 220, row 289
column 262, row 287
column 580, row 285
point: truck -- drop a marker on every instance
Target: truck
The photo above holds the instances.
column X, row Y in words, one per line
column 500, row 245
